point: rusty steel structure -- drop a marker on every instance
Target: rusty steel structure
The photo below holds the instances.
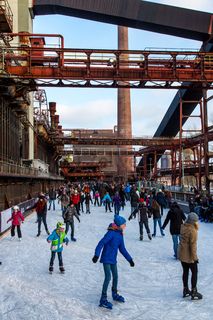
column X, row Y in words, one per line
column 91, row 68
column 24, row 68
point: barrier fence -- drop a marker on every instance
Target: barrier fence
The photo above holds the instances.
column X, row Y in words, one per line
column 6, row 214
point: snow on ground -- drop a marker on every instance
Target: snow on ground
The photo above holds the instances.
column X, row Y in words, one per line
column 152, row 289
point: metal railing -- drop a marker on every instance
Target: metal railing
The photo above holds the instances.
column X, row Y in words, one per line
column 18, row 170
column 5, row 8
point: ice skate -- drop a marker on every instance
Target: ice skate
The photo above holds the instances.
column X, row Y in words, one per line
column 104, row 303
column 149, row 236
column 117, row 297
column 141, row 238
column 186, row 292
column 196, row 295
column 73, row 239
column 62, row 270
column 50, row 269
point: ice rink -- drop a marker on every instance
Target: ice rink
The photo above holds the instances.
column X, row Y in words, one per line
column 152, row 289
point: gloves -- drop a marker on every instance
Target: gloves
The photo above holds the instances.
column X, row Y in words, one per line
column 94, row 259
column 196, row 261
column 132, row 264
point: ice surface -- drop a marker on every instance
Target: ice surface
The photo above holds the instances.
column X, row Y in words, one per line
column 152, row 289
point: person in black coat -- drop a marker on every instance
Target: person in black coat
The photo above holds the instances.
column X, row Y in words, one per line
column 143, row 214
column 176, row 217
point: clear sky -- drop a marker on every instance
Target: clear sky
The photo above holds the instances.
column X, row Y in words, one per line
column 97, row 108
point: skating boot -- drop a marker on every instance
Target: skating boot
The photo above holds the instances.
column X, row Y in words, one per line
column 73, row 239
column 104, row 303
column 186, row 292
column 196, row 295
column 141, row 238
column 62, row 270
column 149, row 236
column 117, row 296
column 50, row 269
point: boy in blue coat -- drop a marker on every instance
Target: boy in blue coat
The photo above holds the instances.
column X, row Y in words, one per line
column 111, row 243
column 57, row 238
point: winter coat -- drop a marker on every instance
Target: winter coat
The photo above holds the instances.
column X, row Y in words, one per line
column 160, row 198
column 52, row 194
column 17, row 218
column 64, row 200
column 134, row 199
column 142, row 213
column 88, row 198
column 41, row 207
column 75, row 198
column 187, row 249
column 69, row 214
column 111, row 243
column 156, row 213
column 107, row 198
column 117, row 200
column 57, row 238
column 176, row 218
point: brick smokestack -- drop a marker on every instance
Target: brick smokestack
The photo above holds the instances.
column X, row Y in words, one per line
column 124, row 121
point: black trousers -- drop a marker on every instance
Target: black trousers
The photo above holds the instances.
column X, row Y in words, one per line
column 43, row 218
column 141, row 224
column 194, row 270
column 60, row 260
column 18, row 231
column 71, row 224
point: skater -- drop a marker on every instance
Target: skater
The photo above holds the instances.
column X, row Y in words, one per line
column 187, row 252
column 111, row 243
column 176, row 218
column 155, row 210
column 68, row 216
column 142, row 218
column 97, row 196
column 117, row 203
column 87, row 200
column 17, row 218
column 52, row 198
column 57, row 239
column 107, row 200
column 41, row 209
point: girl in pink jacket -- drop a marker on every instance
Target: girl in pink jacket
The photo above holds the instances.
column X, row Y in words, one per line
column 17, row 218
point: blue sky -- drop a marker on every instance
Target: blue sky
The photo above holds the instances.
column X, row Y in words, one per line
column 97, row 108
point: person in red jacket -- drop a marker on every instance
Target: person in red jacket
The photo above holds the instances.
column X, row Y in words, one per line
column 17, row 218
column 75, row 199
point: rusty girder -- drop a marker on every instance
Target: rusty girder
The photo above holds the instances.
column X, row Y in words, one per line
column 97, row 68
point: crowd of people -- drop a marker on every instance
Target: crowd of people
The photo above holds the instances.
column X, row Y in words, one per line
column 76, row 199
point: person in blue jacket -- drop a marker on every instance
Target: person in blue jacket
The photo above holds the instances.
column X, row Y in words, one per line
column 57, row 238
column 110, row 244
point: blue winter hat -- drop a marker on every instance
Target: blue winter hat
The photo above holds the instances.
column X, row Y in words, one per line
column 118, row 220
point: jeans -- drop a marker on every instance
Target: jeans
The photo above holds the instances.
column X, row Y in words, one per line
column 175, row 239
column 71, row 224
column 117, row 208
column 157, row 220
column 194, row 270
column 108, row 269
column 43, row 218
column 59, row 259
column 50, row 203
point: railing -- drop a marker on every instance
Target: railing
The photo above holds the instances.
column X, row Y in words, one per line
column 17, row 170
column 83, row 66
column 5, row 8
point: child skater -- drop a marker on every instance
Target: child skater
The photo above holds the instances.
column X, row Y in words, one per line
column 142, row 218
column 57, row 238
column 111, row 243
column 17, row 218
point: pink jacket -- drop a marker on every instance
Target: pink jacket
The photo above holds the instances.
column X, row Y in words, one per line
column 17, row 218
